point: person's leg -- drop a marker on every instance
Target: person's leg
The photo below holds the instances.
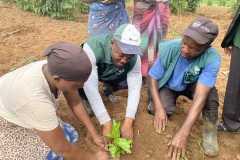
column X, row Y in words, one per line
column 20, row 143
column 168, row 98
column 71, row 135
column 110, row 86
column 231, row 107
column 210, row 116
column 85, row 102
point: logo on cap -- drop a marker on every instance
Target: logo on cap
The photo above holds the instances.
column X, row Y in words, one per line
column 129, row 39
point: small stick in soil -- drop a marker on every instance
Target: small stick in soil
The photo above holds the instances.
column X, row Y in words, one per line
column 11, row 33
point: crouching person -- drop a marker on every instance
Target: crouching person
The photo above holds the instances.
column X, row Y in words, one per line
column 29, row 126
column 189, row 67
column 116, row 62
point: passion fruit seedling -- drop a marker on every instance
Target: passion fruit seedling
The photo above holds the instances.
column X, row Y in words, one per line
column 119, row 145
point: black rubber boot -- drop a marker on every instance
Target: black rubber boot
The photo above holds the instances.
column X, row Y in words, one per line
column 209, row 132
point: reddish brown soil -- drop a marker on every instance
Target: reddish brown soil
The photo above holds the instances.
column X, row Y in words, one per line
column 24, row 35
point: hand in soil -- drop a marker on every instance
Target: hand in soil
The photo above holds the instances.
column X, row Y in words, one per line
column 160, row 120
column 101, row 142
column 107, row 129
column 177, row 146
column 127, row 129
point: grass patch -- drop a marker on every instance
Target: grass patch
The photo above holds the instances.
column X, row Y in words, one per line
column 21, row 62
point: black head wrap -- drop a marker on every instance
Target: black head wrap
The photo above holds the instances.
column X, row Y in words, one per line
column 68, row 61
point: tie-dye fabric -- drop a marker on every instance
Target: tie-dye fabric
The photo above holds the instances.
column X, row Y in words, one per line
column 104, row 19
column 151, row 18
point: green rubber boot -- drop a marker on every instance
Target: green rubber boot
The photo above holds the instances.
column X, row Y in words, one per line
column 209, row 132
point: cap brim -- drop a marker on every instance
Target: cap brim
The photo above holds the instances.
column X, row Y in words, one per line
column 195, row 36
column 129, row 49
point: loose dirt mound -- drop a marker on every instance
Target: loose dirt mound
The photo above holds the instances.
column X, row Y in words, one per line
column 24, row 35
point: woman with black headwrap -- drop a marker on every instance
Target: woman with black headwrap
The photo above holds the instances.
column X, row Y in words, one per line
column 29, row 126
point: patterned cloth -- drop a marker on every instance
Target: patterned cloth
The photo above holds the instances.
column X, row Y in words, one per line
column 151, row 18
column 105, row 19
column 20, row 143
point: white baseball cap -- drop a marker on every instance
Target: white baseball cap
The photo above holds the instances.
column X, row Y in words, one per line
column 128, row 38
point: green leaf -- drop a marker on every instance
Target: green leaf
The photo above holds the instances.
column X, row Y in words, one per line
column 120, row 145
column 114, row 150
column 125, row 144
column 115, row 130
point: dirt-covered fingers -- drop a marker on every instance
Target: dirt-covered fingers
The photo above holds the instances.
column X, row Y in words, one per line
column 107, row 140
column 175, row 152
column 159, row 125
column 102, row 144
column 170, row 149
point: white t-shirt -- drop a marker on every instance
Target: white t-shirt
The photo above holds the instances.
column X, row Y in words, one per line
column 26, row 99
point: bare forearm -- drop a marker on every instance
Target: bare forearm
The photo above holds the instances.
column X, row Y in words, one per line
column 82, row 115
column 153, row 85
column 193, row 114
column 57, row 142
column 76, row 153
column 190, row 121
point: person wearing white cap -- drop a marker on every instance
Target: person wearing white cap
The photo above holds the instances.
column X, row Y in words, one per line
column 188, row 67
column 115, row 60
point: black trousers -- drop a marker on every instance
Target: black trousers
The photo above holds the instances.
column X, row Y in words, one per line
column 115, row 84
column 231, row 107
column 169, row 97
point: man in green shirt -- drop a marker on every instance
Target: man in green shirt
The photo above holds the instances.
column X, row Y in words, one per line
column 116, row 61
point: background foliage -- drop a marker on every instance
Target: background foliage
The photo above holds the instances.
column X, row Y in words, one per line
column 66, row 9
column 58, row 9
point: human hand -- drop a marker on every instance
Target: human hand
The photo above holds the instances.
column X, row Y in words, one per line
column 99, row 140
column 127, row 129
column 160, row 120
column 228, row 50
column 177, row 146
column 107, row 129
column 101, row 155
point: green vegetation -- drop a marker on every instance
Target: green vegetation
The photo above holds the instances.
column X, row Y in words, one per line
column 58, row 9
column 21, row 62
column 66, row 9
column 218, row 3
column 120, row 145
column 231, row 4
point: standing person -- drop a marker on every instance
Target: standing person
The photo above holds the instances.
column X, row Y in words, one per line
column 189, row 67
column 29, row 96
column 151, row 19
column 115, row 61
column 105, row 16
column 231, row 108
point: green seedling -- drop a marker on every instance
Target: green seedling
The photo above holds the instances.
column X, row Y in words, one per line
column 119, row 145
column 184, row 158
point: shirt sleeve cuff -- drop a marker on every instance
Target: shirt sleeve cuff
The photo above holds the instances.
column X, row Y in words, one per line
column 103, row 118
column 131, row 113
